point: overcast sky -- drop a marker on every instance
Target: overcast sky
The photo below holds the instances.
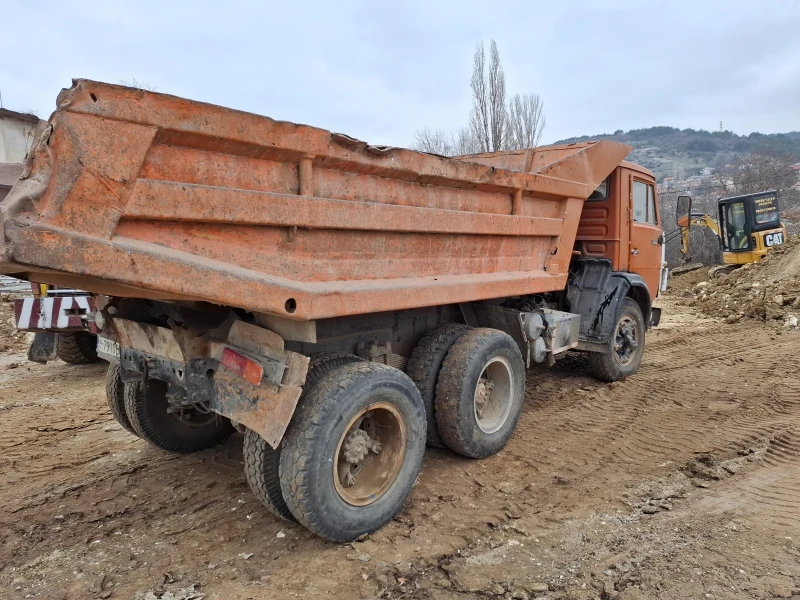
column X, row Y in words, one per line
column 381, row 70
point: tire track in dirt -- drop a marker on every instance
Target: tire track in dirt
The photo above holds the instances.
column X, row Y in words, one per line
column 566, row 490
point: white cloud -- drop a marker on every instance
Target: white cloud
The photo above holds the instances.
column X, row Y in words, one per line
column 381, row 71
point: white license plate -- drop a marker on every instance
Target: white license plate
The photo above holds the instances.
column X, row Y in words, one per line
column 108, row 349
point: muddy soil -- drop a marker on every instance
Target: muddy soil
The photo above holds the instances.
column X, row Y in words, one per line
column 768, row 291
column 681, row 482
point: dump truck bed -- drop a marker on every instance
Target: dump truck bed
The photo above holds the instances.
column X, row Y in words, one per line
column 133, row 193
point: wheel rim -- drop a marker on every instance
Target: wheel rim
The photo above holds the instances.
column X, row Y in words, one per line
column 370, row 454
column 626, row 341
column 492, row 399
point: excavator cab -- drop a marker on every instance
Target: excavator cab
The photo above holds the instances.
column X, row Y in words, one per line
column 747, row 228
column 749, row 225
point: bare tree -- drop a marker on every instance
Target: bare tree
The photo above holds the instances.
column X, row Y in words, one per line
column 526, row 121
column 494, row 123
column 436, row 141
column 489, row 114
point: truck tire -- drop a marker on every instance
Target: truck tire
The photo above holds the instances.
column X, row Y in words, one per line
column 480, row 392
column 353, row 450
column 624, row 353
column 115, row 396
column 423, row 368
column 146, row 406
column 262, row 461
column 77, row 347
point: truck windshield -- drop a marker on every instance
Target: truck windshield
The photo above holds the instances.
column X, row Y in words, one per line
column 735, row 233
column 766, row 210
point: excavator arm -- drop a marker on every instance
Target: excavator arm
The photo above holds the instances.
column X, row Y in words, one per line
column 703, row 220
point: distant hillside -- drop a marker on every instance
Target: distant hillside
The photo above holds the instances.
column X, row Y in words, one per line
column 668, row 151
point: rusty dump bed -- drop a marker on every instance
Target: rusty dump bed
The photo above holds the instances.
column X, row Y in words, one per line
column 132, row 193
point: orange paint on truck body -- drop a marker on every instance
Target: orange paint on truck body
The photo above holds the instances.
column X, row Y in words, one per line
column 133, row 193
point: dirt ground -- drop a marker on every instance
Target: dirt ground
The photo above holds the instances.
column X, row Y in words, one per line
column 681, row 482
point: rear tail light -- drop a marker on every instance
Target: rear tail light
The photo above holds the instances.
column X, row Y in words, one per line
column 244, row 367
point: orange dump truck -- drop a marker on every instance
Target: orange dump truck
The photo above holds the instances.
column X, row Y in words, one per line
column 338, row 303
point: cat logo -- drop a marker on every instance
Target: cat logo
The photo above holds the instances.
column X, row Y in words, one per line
column 773, row 239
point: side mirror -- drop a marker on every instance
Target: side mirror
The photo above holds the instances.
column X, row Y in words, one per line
column 683, row 211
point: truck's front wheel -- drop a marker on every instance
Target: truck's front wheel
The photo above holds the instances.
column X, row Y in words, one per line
column 624, row 353
column 353, row 450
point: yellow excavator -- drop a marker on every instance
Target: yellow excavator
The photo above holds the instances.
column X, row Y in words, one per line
column 747, row 227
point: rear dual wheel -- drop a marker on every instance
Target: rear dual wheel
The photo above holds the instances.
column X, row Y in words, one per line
column 115, row 397
column 353, row 450
column 180, row 430
column 480, row 392
column 262, row 461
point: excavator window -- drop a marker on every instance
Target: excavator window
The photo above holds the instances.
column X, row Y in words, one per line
column 766, row 210
column 735, row 226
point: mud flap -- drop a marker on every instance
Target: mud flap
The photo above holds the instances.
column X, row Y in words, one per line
column 43, row 347
column 655, row 316
column 265, row 409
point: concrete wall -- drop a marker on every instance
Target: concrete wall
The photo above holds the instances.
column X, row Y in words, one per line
column 16, row 135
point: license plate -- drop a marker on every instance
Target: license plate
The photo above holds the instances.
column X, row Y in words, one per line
column 107, row 349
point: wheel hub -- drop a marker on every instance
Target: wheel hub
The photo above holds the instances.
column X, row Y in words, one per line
column 493, row 395
column 370, row 454
column 358, row 445
column 625, row 343
column 482, row 395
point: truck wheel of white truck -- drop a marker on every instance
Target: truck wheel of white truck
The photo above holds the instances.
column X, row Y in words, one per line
column 77, row 347
column 480, row 392
column 115, row 396
column 353, row 450
column 182, row 432
column 624, row 353
column 262, row 461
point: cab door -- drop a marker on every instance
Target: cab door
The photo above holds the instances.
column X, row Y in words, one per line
column 646, row 235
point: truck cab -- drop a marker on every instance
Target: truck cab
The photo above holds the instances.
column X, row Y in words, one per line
column 620, row 222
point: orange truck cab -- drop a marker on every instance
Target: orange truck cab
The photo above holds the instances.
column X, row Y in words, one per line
column 620, row 222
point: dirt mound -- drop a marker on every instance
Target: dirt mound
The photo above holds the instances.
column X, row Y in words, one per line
column 11, row 339
column 768, row 290
column 684, row 283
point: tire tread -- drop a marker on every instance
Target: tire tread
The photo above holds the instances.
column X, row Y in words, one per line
column 77, row 347
column 115, row 396
column 424, row 367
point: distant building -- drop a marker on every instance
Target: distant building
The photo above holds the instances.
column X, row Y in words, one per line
column 16, row 137
column 707, row 171
column 694, row 181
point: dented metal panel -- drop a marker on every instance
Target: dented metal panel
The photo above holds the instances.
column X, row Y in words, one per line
column 133, row 193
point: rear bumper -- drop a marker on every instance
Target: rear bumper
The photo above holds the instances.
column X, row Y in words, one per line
column 69, row 313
